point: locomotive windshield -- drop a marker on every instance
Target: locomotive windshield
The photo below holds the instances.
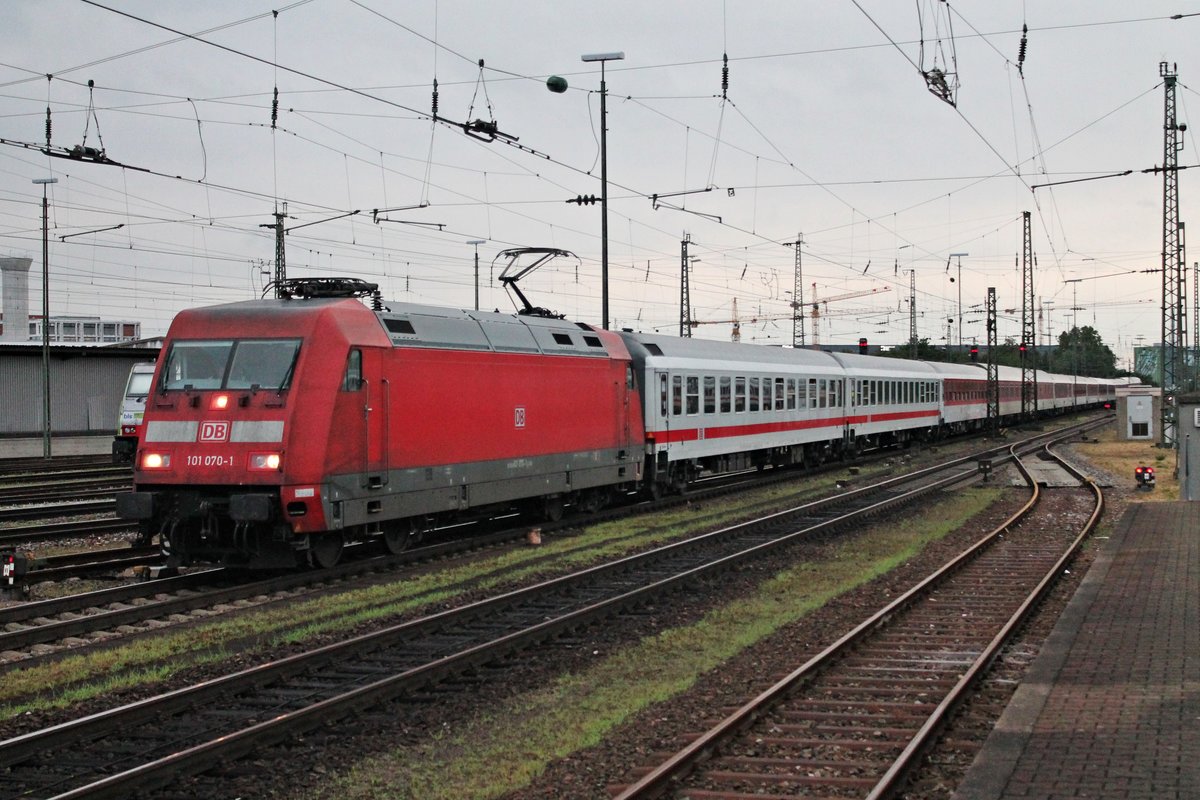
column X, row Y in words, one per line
column 231, row 364
column 139, row 384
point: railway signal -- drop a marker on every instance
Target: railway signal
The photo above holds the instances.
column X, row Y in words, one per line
column 1144, row 477
column 13, row 567
column 862, row 345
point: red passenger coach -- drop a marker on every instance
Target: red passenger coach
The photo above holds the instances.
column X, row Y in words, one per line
column 278, row 430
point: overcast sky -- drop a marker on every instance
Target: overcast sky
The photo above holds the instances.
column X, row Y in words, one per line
column 826, row 130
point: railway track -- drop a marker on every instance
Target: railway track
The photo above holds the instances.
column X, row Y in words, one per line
column 11, row 535
column 151, row 743
column 855, row 720
column 46, row 624
column 33, row 465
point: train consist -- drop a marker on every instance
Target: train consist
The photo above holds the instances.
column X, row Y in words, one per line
column 278, row 430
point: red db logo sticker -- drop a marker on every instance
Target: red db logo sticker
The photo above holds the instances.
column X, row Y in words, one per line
column 214, row 431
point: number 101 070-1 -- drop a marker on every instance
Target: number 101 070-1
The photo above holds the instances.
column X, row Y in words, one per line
column 210, row 461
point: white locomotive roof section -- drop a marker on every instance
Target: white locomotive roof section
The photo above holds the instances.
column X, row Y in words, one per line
column 674, row 353
column 412, row 325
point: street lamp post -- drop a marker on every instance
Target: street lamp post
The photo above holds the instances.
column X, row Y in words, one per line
column 959, row 256
column 45, row 315
column 476, row 242
column 603, row 58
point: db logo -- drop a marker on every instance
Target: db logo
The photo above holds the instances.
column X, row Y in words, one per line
column 214, row 431
column 519, row 417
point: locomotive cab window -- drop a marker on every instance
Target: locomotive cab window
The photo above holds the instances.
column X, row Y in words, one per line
column 352, row 379
column 230, row 364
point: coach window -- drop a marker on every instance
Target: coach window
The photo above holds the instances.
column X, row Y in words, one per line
column 779, row 390
column 693, row 395
column 352, row 380
column 739, row 395
column 676, row 395
column 754, row 394
column 710, row 394
column 725, row 401
column 791, row 394
column 663, row 395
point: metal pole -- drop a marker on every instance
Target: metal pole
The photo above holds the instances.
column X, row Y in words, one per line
column 603, row 201
column 959, row 256
column 45, row 324
column 603, row 58
column 476, row 242
column 45, row 315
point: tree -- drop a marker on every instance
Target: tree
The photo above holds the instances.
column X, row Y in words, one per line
column 1081, row 351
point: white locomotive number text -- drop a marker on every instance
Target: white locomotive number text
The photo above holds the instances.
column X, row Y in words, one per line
column 210, row 461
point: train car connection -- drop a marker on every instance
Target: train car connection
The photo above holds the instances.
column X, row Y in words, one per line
column 132, row 412
column 278, row 430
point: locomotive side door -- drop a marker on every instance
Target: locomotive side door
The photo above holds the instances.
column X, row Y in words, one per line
column 376, row 402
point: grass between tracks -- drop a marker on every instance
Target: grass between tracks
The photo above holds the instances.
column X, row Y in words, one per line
column 1120, row 457
column 249, row 635
column 504, row 748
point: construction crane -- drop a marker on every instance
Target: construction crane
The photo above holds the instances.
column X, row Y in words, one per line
column 816, row 307
column 736, row 336
column 736, row 321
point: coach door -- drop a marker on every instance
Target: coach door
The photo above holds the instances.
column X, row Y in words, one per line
column 663, row 416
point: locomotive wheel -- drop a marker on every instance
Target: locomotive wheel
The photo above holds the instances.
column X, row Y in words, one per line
column 326, row 551
column 401, row 536
column 552, row 509
column 592, row 501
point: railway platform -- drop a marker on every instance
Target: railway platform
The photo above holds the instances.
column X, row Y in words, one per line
column 1111, row 706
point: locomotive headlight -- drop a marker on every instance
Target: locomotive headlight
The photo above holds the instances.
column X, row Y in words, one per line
column 156, row 461
column 220, row 401
column 265, row 461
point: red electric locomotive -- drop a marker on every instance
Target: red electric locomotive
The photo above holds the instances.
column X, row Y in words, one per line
column 278, row 430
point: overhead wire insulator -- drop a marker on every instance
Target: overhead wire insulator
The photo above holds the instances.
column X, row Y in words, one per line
column 47, row 126
column 725, row 77
column 435, row 97
column 275, row 108
column 1021, row 50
